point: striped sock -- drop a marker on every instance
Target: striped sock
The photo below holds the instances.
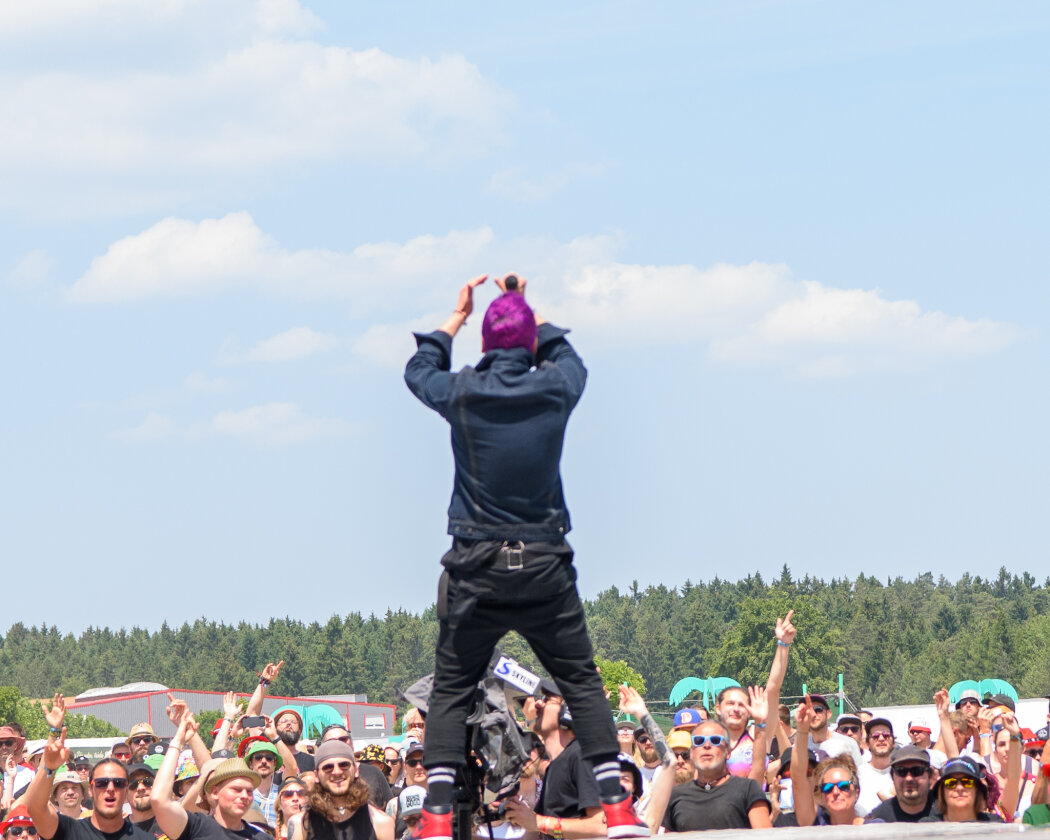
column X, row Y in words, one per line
column 440, row 781
column 607, row 775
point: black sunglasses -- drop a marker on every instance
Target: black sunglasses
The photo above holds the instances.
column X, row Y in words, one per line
column 102, row 784
column 413, row 762
column 146, row 782
column 16, row 830
column 916, row 772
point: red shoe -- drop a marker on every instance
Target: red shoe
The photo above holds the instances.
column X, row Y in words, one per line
column 622, row 820
column 433, row 826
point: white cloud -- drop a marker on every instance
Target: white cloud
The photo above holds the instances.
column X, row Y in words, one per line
column 514, row 184
column 290, row 345
column 180, row 258
column 755, row 314
column 154, row 427
column 99, row 18
column 276, row 424
column 34, row 269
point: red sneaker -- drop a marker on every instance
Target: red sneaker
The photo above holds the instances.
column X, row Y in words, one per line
column 433, row 826
column 622, row 820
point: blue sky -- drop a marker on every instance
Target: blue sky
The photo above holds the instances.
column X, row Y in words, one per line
column 801, row 245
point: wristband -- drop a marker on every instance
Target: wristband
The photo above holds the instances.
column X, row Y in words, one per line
column 557, row 833
column 55, row 731
column 49, row 772
column 986, row 734
column 263, row 681
column 760, row 726
column 174, row 746
column 782, row 643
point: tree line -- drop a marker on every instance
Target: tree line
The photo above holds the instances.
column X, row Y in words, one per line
column 896, row 641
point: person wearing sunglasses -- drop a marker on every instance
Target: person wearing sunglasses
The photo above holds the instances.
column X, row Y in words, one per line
column 18, row 825
column 375, row 779
column 338, row 806
column 109, row 791
column 291, row 800
column 17, row 775
column 876, row 782
column 717, row 799
column 835, row 779
column 912, row 775
column 392, row 757
column 962, row 793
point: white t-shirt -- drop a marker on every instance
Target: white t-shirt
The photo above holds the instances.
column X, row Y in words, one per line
column 836, row 744
column 872, row 783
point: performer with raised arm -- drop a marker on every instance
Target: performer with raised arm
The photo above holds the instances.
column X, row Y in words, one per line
column 510, row 567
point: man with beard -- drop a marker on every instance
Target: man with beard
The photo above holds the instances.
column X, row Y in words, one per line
column 140, row 789
column 228, row 791
column 910, row 769
column 822, row 738
column 338, row 807
column 109, row 784
column 681, row 744
column 289, row 724
column 263, row 758
column 376, row 781
column 716, row 799
column 876, row 786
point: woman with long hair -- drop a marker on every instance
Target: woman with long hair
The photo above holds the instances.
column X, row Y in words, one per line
column 291, row 800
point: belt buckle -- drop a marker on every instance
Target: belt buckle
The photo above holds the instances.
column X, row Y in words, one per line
column 514, row 556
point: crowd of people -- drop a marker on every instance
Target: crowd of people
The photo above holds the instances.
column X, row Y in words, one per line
column 748, row 762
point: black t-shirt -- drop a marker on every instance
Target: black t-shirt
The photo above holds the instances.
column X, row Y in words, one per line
column 786, row 819
column 569, row 788
column 692, row 808
column 377, row 784
column 305, row 761
column 71, row 829
column 150, row 827
column 891, row 811
column 204, row 827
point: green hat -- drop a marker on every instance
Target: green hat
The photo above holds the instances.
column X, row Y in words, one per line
column 263, row 747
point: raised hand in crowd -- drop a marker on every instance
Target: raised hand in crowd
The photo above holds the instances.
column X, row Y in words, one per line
column 1012, row 791
column 231, row 711
column 170, row 813
column 266, row 676
column 57, row 713
column 653, row 803
column 38, row 796
column 177, row 710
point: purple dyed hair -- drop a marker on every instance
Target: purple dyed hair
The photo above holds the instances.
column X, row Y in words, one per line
column 509, row 322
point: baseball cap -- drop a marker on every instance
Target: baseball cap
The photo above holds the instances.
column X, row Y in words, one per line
column 909, row 753
column 19, row 815
column 878, row 722
column 814, row 699
column 847, row 718
column 687, row 717
column 920, row 723
column 373, row 752
column 411, row 800
column 785, row 757
column 679, row 739
column 1001, row 700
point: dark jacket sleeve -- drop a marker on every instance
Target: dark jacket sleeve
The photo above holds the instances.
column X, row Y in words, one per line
column 553, row 349
column 427, row 372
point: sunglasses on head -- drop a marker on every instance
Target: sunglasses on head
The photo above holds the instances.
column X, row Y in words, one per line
column 713, row 740
column 828, row 787
column 16, row 830
column 955, row 781
column 102, row 784
column 916, row 771
column 146, row 782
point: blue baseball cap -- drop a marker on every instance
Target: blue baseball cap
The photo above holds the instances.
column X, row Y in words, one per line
column 687, row 717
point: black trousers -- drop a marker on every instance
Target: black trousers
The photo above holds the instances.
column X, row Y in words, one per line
column 540, row 602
